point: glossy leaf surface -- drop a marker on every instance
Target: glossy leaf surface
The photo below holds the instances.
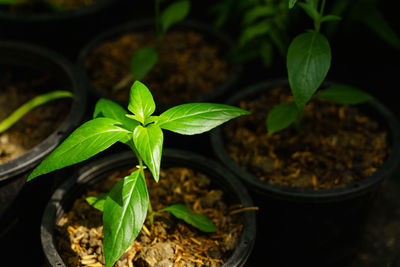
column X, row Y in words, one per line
column 308, row 62
column 141, row 102
column 199, row 221
column 281, row 117
column 125, row 211
column 197, row 118
column 148, row 142
column 343, row 94
column 89, row 139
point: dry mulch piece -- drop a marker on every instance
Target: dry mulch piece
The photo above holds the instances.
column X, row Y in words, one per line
column 37, row 124
column 169, row 241
column 338, row 145
column 188, row 67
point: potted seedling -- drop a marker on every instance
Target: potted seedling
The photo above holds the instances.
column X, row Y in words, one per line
column 128, row 204
column 180, row 60
column 313, row 158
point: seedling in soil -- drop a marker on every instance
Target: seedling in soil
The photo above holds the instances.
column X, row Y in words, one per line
column 146, row 58
column 308, row 62
column 31, row 104
column 127, row 205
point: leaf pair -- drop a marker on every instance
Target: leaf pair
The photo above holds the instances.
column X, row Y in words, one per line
column 146, row 58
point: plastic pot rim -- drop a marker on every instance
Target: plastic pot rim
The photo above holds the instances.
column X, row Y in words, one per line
column 27, row 161
column 307, row 195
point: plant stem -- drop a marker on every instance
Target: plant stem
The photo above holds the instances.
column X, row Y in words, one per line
column 150, row 208
column 317, row 23
column 31, row 104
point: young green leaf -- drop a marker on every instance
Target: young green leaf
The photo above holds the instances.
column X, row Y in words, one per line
column 281, row 117
column 256, row 13
column 109, row 109
column 254, row 31
column 97, row 202
column 143, row 62
column 199, row 221
column 343, row 94
column 148, row 142
column 31, row 104
column 174, row 13
column 330, row 18
column 141, row 102
column 292, row 3
column 89, row 139
column 196, row 118
column 308, row 62
column 310, row 9
column 125, row 211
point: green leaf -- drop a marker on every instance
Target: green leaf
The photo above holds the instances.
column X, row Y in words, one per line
column 308, row 62
column 254, row 31
column 266, row 53
column 257, row 12
column 374, row 19
column 89, row 139
column 143, row 62
column 330, row 18
column 31, row 104
column 125, row 211
column 148, row 142
column 343, row 94
column 109, row 109
column 292, row 3
column 174, row 13
column 196, row 118
column 97, row 202
column 311, row 11
column 199, row 221
column 281, row 117
column 8, row 2
column 141, row 102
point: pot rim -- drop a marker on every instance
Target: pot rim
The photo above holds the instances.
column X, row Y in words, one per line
column 27, row 161
column 148, row 24
column 58, row 16
column 54, row 208
column 307, row 195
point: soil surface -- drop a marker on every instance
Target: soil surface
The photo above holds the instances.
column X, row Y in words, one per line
column 187, row 67
column 338, row 145
column 42, row 6
column 37, row 124
column 169, row 241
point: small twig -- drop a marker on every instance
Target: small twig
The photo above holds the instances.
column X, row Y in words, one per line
column 243, row 210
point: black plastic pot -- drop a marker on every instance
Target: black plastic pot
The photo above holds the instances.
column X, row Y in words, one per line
column 64, row 196
column 211, row 34
column 33, row 58
column 316, row 227
column 63, row 31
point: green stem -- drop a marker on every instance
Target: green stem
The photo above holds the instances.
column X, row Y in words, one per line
column 149, row 207
column 317, row 23
column 31, row 104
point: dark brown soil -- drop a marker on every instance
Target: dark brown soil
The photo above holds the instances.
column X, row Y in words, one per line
column 338, row 145
column 188, row 67
column 37, row 124
column 32, row 6
column 168, row 242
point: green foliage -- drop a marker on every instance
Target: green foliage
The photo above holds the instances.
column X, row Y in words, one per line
column 126, row 206
column 31, row 104
column 199, row 221
column 146, row 58
column 308, row 62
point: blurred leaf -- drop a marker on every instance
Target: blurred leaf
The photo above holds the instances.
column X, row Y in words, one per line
column 292, row 3
column 311, row 11
column 343, row 94
column 330, row 18
column 266, row 53
column 143, row 62
column 174, row 13
column 253, row 31
column 257, row 12
column 308, row 62
column 281, row 117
